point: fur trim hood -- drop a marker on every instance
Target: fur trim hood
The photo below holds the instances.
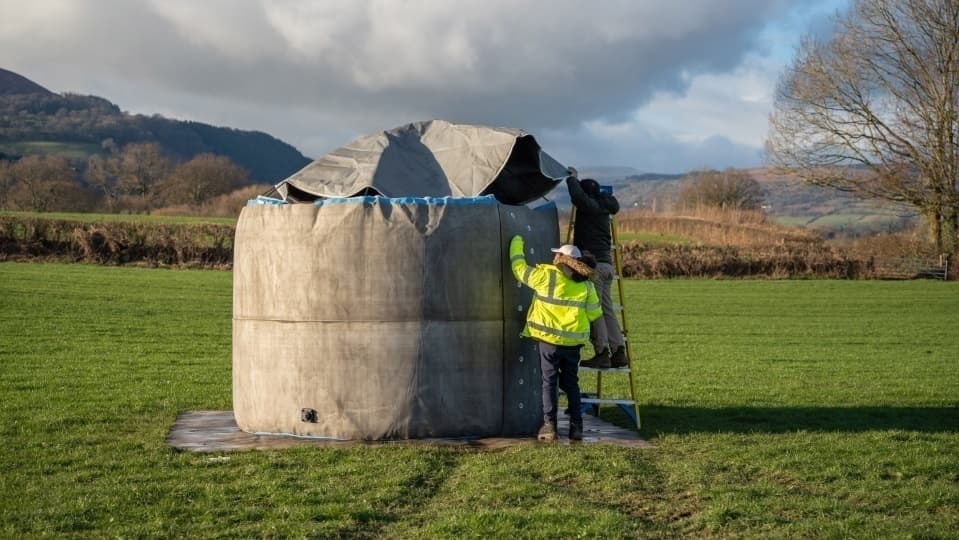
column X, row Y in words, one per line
column 575, row 265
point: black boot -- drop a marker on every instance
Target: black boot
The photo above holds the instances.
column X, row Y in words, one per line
column 547, row 433
column 575, row 429
column 618, row 359
column 600, row 361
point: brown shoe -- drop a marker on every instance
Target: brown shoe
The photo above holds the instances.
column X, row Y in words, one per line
column 547, row 433
column 618, row 359
column 600, row 361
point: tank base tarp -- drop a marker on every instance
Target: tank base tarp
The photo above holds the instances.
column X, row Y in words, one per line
column 375, row 318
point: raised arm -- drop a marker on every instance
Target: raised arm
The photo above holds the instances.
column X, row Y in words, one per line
column 583, row 202
column 530, row 276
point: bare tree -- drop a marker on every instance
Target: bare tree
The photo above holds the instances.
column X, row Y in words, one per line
column 873, row 110
column 197, row 181
column 127, row 178
column 141, row 167
column 732, row 189
column 6, row 182
column 45, row 184
column 102, row 173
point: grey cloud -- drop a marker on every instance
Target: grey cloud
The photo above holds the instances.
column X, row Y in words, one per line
column 341, row 66
column 648, row 151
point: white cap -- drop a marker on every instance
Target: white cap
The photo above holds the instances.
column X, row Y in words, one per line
column 569, row 250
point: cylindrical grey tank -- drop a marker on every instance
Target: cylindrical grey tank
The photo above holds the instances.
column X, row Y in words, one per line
column 377, row 318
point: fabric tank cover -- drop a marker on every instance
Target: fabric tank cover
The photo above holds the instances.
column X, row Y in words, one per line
column 389, row 318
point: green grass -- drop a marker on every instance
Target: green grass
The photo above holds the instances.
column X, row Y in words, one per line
column 792, row 221
column 867, row 222
column 100, row 218
column 777, row 408
column 72, row 151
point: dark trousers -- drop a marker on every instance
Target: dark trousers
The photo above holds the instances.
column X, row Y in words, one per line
column 559, row 364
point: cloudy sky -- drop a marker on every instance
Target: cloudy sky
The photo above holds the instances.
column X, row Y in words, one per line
column 660, row 86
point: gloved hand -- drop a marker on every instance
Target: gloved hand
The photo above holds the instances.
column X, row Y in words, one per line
column 572, row 171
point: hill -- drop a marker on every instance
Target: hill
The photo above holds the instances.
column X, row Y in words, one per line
column 34, row 120
column 12, row 83
column 787, row 201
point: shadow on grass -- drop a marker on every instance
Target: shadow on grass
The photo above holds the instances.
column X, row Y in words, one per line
column 662, row 420
column 415, row 495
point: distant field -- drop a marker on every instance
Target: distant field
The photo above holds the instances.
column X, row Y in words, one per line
column 849, row 223
column 71, row 151
column 777, row 409
column 652, row 239
column 136, row 218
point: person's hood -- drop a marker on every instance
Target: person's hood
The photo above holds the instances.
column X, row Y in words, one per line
column 578, row 270
column 608, row 202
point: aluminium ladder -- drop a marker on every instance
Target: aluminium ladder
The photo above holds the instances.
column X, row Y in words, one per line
column 630, row 406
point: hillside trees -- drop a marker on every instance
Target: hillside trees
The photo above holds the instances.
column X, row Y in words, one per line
column 79, row 119
column 875, row 109
column 199, row 180
column 136, row 178
column 127, row 178
column 42, row 184
column 730, row 189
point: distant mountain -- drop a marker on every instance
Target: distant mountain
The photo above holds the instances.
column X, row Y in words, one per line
column 604, row 173
column 786, row 200
column 12, row 83
column 36, row 120
column 632, row 188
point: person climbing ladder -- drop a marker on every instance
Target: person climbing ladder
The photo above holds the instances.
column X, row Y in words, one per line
column 591, row 234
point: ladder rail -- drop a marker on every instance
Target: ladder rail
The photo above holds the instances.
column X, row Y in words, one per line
column 618, row 260
column 618, row 265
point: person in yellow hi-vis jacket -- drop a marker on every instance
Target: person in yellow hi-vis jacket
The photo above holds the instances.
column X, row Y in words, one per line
column 564, row 304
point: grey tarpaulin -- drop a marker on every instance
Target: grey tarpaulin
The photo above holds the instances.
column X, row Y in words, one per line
column 391, row 318
column 431, row 159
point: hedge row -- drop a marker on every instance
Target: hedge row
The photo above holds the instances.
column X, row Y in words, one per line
column 784, row 261
column 190, row 245
column 208, row 245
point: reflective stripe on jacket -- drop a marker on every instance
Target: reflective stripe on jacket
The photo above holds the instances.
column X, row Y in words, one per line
column 562, row 308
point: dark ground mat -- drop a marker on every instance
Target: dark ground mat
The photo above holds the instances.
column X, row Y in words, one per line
column 216, row 431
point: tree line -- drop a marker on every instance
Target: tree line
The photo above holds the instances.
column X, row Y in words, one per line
column 136, row 178
column 77, row 118
column 874, row 110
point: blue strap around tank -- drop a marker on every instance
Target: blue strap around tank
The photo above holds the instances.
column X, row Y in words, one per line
column 260, row 200
column 432, row 201
column 369, row 199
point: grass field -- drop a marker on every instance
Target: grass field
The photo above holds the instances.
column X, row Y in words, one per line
column 777, row 409
column 851, row 223
column 72, row 151
column 652, row 239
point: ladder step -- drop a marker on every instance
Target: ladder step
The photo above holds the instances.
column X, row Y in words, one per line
column 606, row 370
column 608, row 401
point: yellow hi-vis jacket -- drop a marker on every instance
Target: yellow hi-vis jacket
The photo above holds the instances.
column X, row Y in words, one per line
column 562, row 308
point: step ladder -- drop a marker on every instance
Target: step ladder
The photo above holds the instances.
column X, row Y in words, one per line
column 593, row 401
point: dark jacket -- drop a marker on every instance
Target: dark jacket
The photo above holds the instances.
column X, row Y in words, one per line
column 591, row 229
